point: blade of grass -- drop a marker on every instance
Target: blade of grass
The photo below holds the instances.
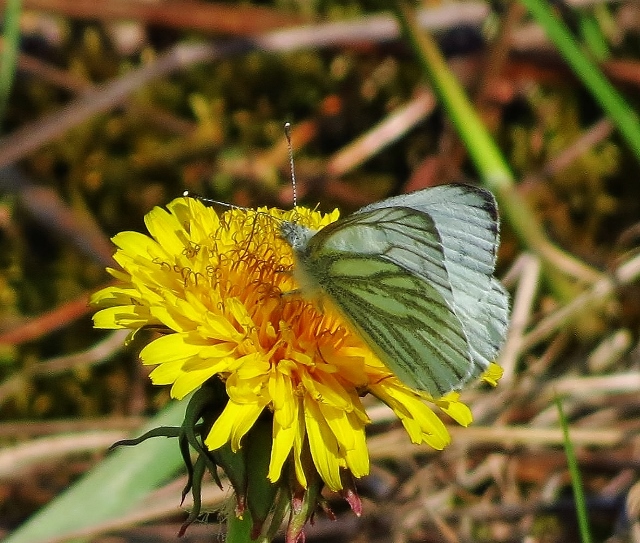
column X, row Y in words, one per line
column 593, row 37
column 110, row 489
column 9, row 53
column 623, row 117
column 576, row 479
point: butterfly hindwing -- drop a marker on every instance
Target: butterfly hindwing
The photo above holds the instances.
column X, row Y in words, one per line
column 466, row 219
column 402, row 317
column 384, row 269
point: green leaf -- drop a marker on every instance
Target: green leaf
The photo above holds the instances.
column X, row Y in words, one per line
column 115, row 486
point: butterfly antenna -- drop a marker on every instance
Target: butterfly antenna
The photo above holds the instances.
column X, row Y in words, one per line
column 189, row 194
column 287, row 133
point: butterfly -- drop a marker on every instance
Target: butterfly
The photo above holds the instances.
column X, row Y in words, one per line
column 413, row 276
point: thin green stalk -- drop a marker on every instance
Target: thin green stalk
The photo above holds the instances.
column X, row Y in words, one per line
column 576, row 480
column 622, row 116
column 593, row 37
column 488, row 159
column 9, row 54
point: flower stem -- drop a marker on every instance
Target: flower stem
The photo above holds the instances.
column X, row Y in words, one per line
column 239, row 529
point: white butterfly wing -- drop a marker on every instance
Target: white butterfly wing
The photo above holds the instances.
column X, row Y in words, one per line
column 402, row 318
column 365, row 265
column 467, row 221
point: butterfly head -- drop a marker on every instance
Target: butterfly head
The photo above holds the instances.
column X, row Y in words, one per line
column 296, row 235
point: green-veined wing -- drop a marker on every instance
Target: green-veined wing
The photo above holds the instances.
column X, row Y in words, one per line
column 411, row 273
column 466, row 219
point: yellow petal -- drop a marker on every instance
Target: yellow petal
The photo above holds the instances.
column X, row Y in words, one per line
column 165, row 228
column 166, row 373
column 493, row 374
column 122, row 316
column 358, row 456
column 283, row 438
column 234, row 422
column 187, row 382
column 169, row 348
column 457, row 411
column 323, row 445
column 339, row 423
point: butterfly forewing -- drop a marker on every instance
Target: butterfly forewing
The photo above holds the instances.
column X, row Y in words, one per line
column 400, row 235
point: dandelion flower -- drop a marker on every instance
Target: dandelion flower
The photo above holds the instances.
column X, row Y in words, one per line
column 220, row 288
